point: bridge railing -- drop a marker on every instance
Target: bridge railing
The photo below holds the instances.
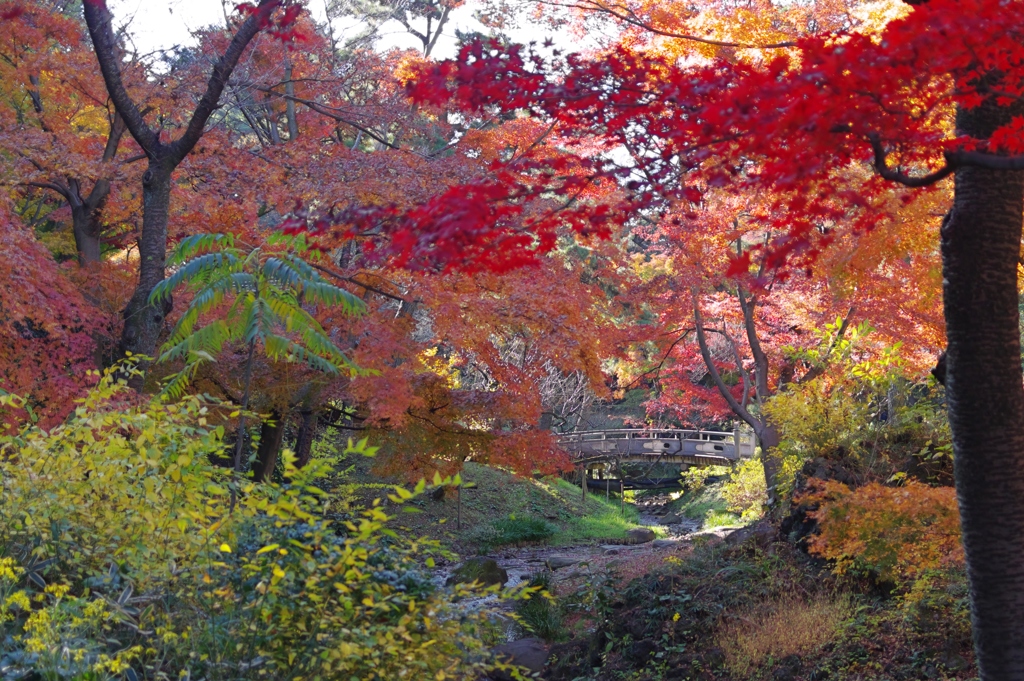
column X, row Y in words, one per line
column 732, row 445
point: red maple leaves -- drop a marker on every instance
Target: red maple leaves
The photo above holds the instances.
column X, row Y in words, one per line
column 792, row 124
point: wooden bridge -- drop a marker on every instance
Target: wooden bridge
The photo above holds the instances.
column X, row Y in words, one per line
column 604, row 451
column 634, row 445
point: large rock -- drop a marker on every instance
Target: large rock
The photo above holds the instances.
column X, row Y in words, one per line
column 760, row 534
column 640, row 535
column 530, row 653
column 479, row 569
column 672, row 519
column 665, row 543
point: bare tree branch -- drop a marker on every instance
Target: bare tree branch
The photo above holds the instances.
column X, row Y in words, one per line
column 625, row 14
column 882, row 168
column 709, row 361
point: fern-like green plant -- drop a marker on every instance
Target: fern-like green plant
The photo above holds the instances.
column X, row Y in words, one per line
column 268, row 292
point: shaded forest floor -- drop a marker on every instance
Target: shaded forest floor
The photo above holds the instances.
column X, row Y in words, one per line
column 750, row 607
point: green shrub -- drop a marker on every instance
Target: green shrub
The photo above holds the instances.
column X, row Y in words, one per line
column 745, row 491
column 866, row 412
column 540, row 613
column 515, row 530
column 120, row 548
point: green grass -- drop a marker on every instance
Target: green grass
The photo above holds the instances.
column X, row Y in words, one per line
column 540, row 614
column 495, row 497
column 514, row 530
column 705, row 503
column 602, row 520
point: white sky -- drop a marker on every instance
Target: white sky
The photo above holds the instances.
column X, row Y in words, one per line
column 162, row 24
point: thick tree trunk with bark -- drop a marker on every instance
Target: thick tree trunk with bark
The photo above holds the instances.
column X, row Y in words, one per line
column 143, row 321
column 86, row 228
column 980, row 245
column 271, row 437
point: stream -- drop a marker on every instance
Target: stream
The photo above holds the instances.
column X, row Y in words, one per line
column 574, row 564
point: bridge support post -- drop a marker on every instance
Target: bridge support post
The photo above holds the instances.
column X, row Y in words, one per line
column 583, row 481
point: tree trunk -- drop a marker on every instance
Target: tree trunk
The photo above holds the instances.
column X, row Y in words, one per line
column 142, row 321
column 304, row 438
column 85, row 223
column 980, row 244
column 768, row 436
column 289, row 91
column 271, row 437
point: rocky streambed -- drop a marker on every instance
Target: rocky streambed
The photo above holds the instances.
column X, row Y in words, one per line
column 575, row 567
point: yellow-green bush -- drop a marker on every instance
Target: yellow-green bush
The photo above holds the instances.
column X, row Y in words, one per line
column 745, row 491
column 865, row 411
column 123, row 556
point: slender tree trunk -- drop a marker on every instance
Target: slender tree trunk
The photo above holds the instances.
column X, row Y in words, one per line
column 289, row 90
column 142, row 321
column 271, row 437
column 240, row 441
column 766, row 432
column 980, row 244
column 304, row 438
column 768, row 436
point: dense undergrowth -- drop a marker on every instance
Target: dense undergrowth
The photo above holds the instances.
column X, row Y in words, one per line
column 863, row 577
column 765, row 610
column 124, row 554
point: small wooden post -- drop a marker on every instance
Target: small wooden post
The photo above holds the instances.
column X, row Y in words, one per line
column 583, row 481
column 458, row 517
column 607, row 488
column 622, row 498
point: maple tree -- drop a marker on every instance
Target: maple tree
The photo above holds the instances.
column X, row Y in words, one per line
column 142, row 319
column 727, row 345
column 58, row 125
column 352, row 115
column 894, row 535
column 46, row 329
column 793, row 122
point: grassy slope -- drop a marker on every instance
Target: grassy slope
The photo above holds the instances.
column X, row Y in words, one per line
column 499, row 494
column 703, row 500
column 706, row 503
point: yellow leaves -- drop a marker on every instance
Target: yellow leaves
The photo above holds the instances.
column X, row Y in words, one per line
column 277, row 574
column 332, row 591
column 874, row 16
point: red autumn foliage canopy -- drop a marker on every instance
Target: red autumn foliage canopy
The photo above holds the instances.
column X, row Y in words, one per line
column 791, row 122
